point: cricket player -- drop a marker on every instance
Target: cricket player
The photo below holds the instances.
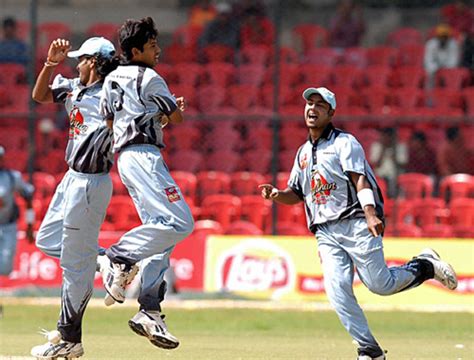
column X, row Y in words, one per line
column 70, row 229
column 11, row 183
column 344, row 209
column 138, row 101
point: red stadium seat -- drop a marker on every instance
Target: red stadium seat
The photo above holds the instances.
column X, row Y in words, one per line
column 430, row 211
column 378, row 75
column 204, row 228
column 288, row 55
column 257, row 161
column 186, row 160
column 189, row 73
column 104, row 29
column 322, row 56
column 219, row 73
column 347, row 76
column 223, row 160
column 118, row 186
column 454, row 78
column 212, row 182
column 315, row 75
column 243, row 96
column 223, row 208
column 45, row 185
column 245, row 183
column 456, row 186
column 176, row 53
column 404, row 230
column 410, row 76
column 252, row 74
column 381, row 56
column 49, row 31
column 411, row 55
column 462, row 216
column 468, row 95
column 310, row 36
column 438, row 231
column 183, row 137
column 210, row 97
column 243, row 228
column 405, row 36
column 255, row 54
column 257, row 210
column 122, row 214
column 187, row 35
column 415, row 185
column 287, row 228
column 355, row 56
column 12, row 74
column 259, row 138
column 218, row 53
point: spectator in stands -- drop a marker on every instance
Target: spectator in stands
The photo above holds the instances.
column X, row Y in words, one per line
column 442, row 51
column 256, row 28
column 11, row 182
column 420, row 155
column 459, row 15
column 223, row 30
column 347, row 26
column 202, row 13
column 388, row 158
column 12, row 49
column 454, row 157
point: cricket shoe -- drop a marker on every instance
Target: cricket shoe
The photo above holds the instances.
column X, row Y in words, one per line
column 56, row 347
column 151, row 324
column 443, row 272
column 115, row 277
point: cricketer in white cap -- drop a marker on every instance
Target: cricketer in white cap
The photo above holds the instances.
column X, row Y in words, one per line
column 344, row 209
column 70, row 228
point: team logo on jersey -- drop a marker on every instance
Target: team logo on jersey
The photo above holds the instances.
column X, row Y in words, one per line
column 304, row 162
column 172, row 194
column 76, row 123
column 321, row 188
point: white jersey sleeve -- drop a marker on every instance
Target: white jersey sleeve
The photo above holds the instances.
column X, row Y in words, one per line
column 61, row 87
column 157, row 90
column 295, row 181
column 351, row 154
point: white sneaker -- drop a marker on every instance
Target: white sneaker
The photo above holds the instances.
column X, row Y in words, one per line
column 56, row 347
column 151, row 325
column 443, row 272
column 115, row 278
column 367, row 357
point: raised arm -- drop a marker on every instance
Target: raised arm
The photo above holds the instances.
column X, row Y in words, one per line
column 57, row 52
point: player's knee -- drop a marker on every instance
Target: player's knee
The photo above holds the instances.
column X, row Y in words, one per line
column 380, row 289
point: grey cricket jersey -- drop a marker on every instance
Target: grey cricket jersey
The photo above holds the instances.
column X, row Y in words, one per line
column 89, row 149
column 136, row 98
column 320, row 178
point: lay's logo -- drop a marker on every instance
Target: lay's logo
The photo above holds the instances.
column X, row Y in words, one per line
column 256, row 266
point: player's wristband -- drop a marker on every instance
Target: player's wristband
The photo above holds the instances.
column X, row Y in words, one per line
column 29, row 216
column 366, row 197
column 49, row 63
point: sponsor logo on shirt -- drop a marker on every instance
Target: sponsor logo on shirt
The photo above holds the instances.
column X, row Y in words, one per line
column 321, row 188
column 304, row 162
column 76, row 123
column 172, row 194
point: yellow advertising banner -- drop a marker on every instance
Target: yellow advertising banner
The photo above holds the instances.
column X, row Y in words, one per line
column 288, row 268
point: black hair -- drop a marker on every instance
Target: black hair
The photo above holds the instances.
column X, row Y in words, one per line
column 135, row 34
column 105, row 65
column 9, row 21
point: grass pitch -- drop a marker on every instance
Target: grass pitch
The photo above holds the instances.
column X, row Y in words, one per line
column 245, row 334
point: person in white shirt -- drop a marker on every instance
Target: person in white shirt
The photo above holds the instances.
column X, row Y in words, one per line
column 441, row 51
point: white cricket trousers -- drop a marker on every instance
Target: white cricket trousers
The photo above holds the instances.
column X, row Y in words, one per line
column 346, row 244
column 166, row 220
column 70, row 231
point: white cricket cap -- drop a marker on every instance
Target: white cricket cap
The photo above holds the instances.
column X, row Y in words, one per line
column 2, row 151
column 326, row 94
column 93, row 46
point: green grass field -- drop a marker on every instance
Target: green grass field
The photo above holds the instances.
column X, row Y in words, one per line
column 246, row 334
